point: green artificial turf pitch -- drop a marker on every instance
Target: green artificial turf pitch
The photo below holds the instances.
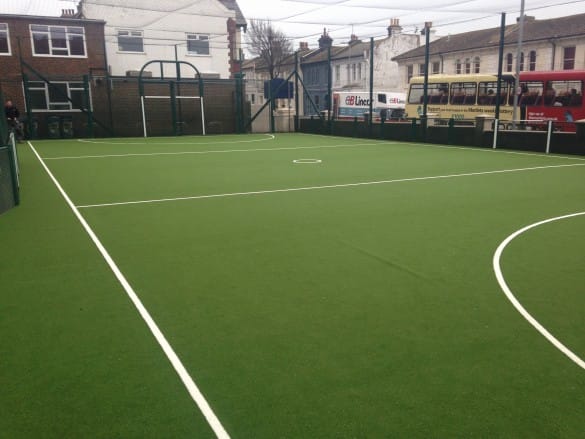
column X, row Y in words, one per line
column 350, row 298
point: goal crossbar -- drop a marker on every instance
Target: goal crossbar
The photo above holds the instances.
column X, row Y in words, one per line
column 143, row 97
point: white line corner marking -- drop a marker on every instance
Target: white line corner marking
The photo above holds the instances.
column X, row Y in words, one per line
column 500, row 277
column 188, row 382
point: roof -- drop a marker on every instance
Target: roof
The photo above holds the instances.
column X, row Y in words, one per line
column 534, row 30
column 50, row 18
column 233, row 6
column 259, row 64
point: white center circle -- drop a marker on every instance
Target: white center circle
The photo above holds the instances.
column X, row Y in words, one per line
column 306, row 161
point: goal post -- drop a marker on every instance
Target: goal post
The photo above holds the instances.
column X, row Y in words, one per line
column 143, row 107
column 173, row 83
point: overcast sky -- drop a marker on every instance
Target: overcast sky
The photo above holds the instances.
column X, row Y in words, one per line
column 304, row 20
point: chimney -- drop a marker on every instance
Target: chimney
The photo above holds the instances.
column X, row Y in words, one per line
column 394, row 27
column 354, row 40
column 71, row 13
column 325, row 41
column 303, row 45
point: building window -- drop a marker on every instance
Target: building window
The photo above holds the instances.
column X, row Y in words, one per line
column 348, row 73
column 58, row 40
column 359, row 73
column 198, row 44
column 436, row 68
column 131, row 41
column 353, row 72
column 522, row 61
column 509, row 62
column 467, row 66
column 458, row 67
column 337, row 73
column 532, row 65
column 476, row 64
column 53, row 97
column 569, row 58
column 421, row 69
column 4, row 40
column 409, row 72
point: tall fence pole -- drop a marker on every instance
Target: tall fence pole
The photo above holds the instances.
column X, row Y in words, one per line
column 496, row 131
column 297, row 91
column 371, row 109
column 500, row 67
column 548, row 135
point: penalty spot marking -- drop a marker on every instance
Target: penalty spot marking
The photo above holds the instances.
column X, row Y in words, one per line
column 504, row 286
column 307, row 161
column 173, row 358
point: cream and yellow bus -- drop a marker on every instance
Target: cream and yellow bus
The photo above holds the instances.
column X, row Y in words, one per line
column 460, row 96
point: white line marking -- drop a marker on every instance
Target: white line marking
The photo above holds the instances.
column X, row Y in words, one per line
column 516, row 303
column 330, row 186
column 307, row 161
column 467, row 148
column 500, row 151
column 284, row 148
column 270, row 137
column 188, row 382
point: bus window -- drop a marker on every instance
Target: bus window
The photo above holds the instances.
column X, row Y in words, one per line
column 415, row 94
column 531, row 93
column 488, row 90
column 438, row 93
column 382, row 98
column 463, row 93
column 565, row 93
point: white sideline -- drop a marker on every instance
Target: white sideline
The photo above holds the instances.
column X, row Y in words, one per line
column 504, row 286
column 270, row 137
column 218, row 151
column 330, row 186
column 188, row 382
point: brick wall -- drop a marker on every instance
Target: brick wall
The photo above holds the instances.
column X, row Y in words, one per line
column 55, row 67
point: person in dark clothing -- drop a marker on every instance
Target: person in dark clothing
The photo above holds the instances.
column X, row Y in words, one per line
column 12, row 117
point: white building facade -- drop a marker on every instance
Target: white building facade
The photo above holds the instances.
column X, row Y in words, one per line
column 351, row 66
column 554, row 44
column 205, row 33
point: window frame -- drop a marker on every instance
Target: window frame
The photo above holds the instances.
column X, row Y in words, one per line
column 33, row 87
column 532, row 61
column 569, row 60
column 476, row 65
column 435, row 67
column 509, row 62
column 198, row 39
column 67, row 32
column 129, row 36
column 7, row 31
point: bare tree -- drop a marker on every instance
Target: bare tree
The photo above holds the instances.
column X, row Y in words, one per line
column 268, row 43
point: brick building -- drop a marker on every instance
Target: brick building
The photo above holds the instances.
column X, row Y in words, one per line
column 54, row 54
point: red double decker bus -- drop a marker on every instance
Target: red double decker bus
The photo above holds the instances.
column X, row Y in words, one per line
column 556, row 96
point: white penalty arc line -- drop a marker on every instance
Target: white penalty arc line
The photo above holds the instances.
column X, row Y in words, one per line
column 173, row 358
column 264, row 139
column 330, row 186
column 220, row 151
column 504, row 286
